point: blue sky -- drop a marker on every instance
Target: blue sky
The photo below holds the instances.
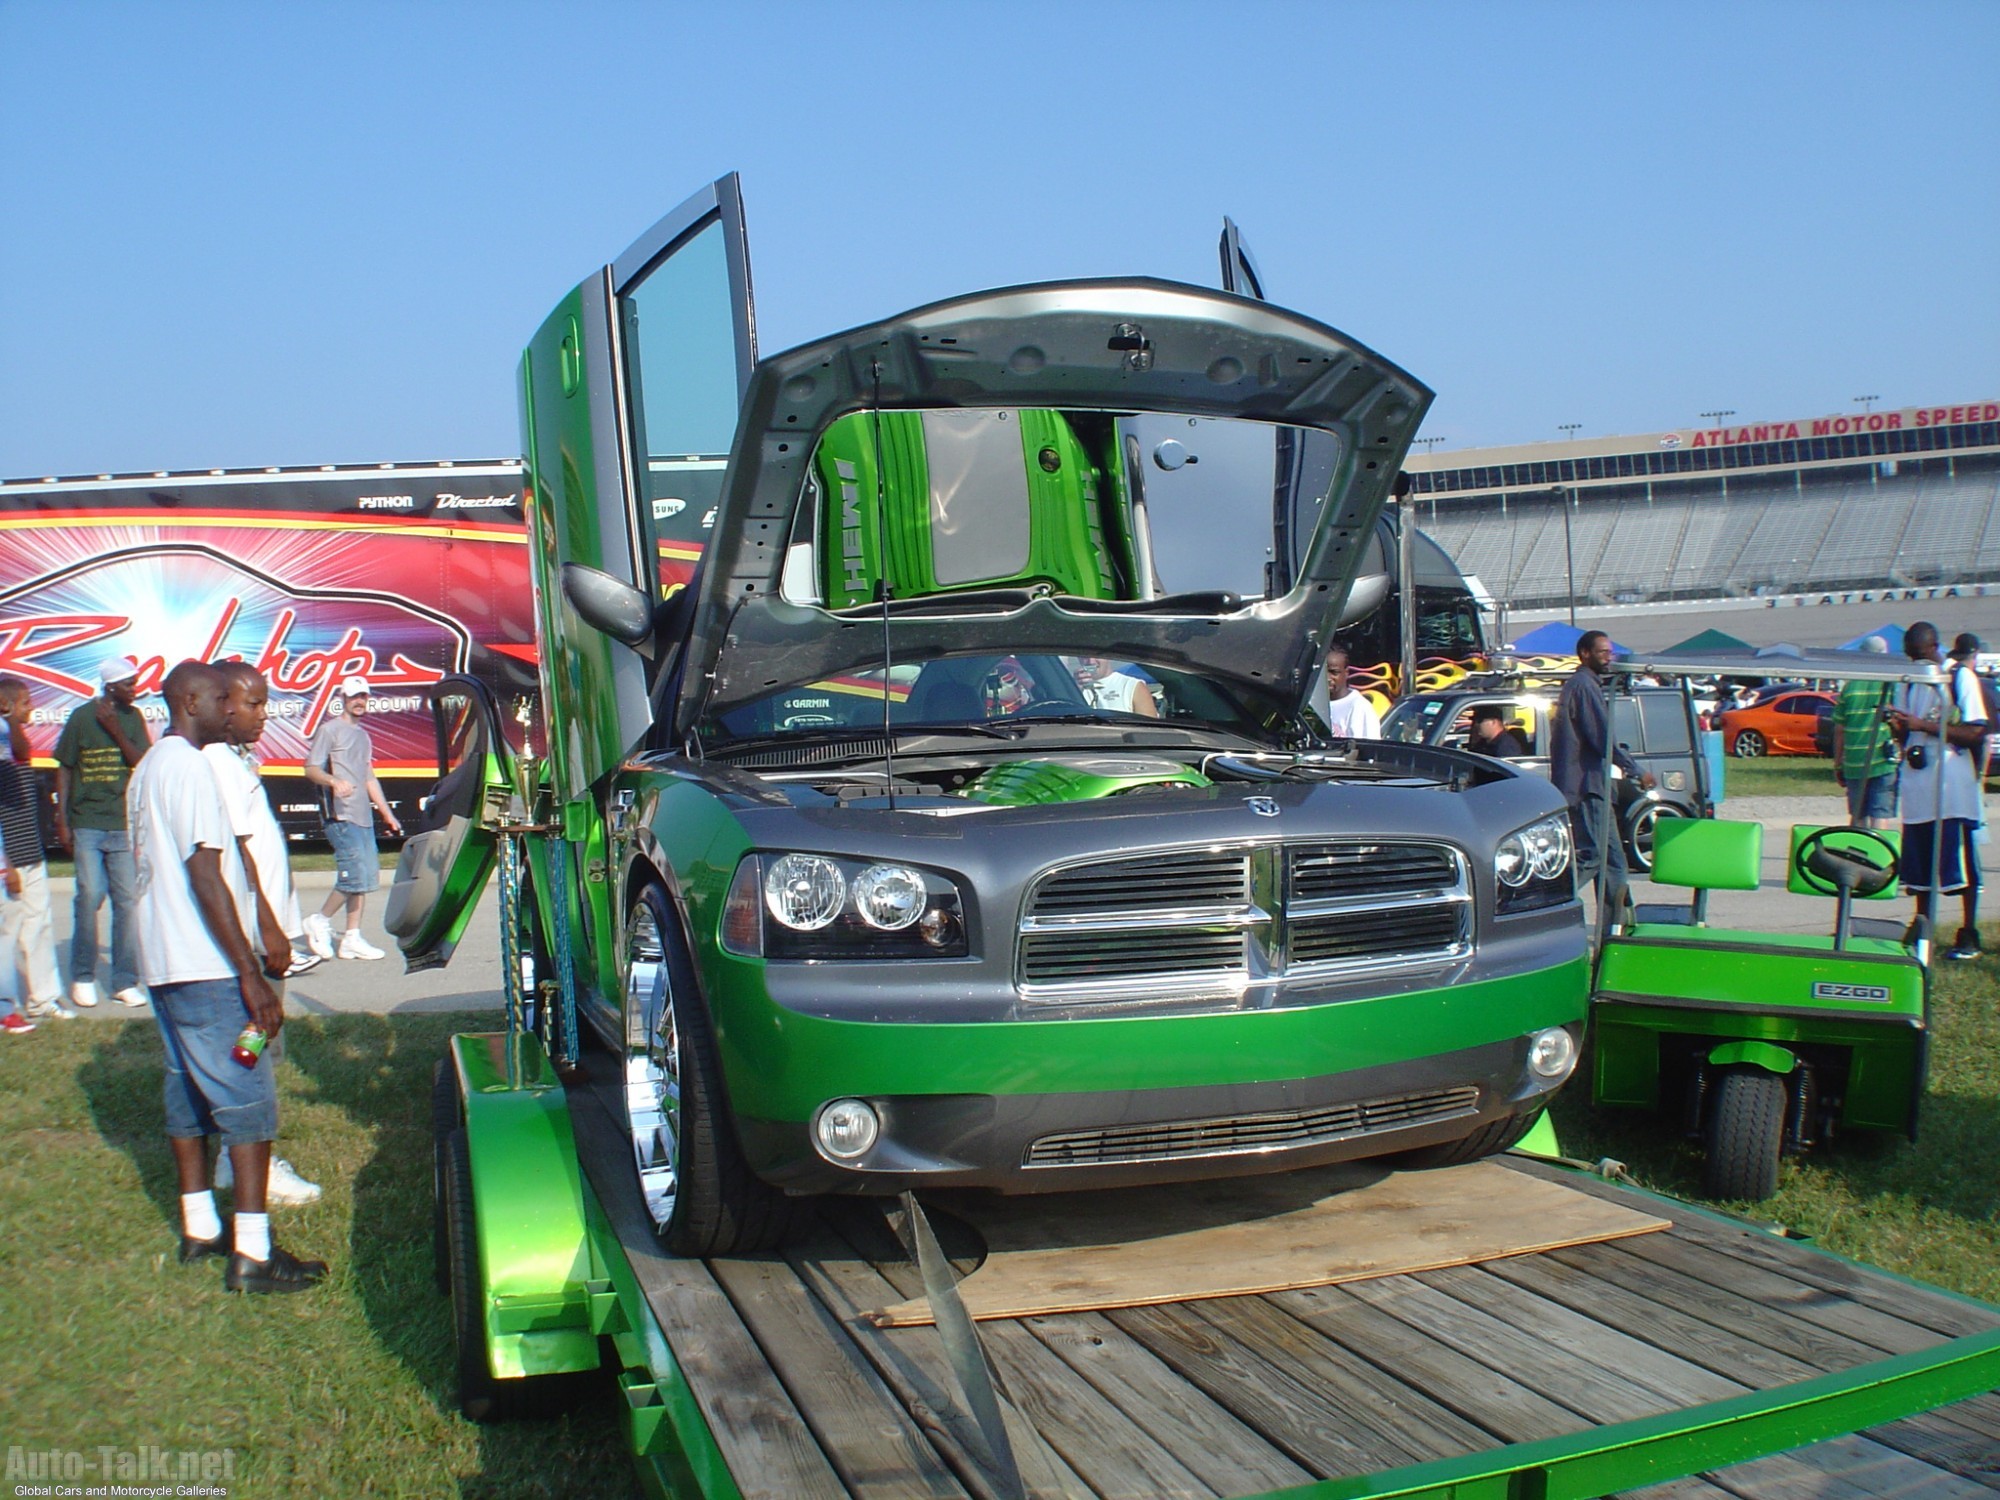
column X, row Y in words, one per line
column 302, row 233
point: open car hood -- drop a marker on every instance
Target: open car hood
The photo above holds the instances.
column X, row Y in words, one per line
column 1119, row 346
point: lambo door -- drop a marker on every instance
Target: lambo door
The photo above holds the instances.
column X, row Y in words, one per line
column 453, row 841
column 629, row 400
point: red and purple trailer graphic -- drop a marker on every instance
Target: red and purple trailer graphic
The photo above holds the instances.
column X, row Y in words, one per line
column 397, row 573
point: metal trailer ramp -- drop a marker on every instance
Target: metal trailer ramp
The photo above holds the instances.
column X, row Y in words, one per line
column 1572, row 1372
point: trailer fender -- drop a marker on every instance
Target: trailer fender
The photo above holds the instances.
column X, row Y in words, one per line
column 1772, row 1059
column 534, row 1255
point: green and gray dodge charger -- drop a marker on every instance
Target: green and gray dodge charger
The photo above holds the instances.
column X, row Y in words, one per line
column 931, row 793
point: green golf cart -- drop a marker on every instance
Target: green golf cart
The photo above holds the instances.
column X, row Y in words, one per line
column 1766, row 1043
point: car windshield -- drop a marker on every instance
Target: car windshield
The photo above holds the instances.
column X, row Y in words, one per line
column 1018, row 688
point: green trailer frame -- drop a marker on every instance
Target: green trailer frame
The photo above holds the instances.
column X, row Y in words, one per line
column 571, row 1278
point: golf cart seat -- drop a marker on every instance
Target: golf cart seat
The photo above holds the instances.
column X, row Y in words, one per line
column 1702, row 855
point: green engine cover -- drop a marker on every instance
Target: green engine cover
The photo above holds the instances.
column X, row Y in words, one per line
column 971, row 500
column 1021, row 783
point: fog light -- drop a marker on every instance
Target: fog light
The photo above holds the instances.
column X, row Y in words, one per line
column 847, row 1128
column 1552, row 1053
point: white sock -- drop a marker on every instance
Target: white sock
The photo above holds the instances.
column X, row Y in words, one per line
column 253, row 1235
column 199, row 1220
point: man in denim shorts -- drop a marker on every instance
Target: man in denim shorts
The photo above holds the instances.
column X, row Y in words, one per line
column 193, row 911
column 341, row 758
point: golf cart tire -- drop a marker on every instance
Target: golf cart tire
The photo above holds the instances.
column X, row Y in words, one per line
column 1489, row 1140
column 1746, row 1133
column 1748, row 746
column 481, row 1395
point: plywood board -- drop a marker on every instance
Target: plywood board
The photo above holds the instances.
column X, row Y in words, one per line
column 1142, row 1246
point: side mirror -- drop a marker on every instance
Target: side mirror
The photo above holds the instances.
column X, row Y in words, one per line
column 603, row 603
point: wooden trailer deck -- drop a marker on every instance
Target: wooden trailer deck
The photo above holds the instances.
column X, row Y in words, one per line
column 1244, row 1395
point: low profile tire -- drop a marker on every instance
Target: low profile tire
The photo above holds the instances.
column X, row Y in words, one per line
column 1639, row 836
column 1746, row 1132
column 481, row 1396
column 702, row 1196
column 1488, row 1140
column 444, row 1122
column 1749, row 745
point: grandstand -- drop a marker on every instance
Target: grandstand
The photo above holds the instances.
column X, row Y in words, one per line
column 1860, row 500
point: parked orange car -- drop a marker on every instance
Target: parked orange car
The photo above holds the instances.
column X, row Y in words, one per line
column 1783, row 724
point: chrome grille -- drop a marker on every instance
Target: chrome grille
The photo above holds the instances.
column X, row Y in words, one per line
column 1347, row 872
column 1199, row 923
column 1053, row 957
column 1237, row 1135
column 1340, row 937
column 1198, row 878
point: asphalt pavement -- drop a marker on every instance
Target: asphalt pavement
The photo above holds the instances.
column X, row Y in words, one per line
column 340, row 986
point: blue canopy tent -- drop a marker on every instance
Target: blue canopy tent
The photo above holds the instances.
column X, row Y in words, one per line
column 1892, row 637
column 1556, row 639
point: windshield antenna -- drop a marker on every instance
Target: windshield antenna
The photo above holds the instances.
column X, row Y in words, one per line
column 882, row 577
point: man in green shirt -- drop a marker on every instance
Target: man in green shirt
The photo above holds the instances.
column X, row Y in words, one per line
column 1864, row 751
column 100, row 744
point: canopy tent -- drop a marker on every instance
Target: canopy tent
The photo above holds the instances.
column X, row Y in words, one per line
column 1892, row 637
column 1555, row 639
column 1711, row 640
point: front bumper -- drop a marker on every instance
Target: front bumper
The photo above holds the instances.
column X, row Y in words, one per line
column 1053, row 1140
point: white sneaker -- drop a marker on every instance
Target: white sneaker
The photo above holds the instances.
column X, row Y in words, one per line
column 84, row 993
column 319, row 934
column 132, row 996
column 283, row 1186
column 48, row 1010
column 354, row 945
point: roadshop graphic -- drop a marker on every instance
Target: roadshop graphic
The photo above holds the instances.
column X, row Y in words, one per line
column 164, row 603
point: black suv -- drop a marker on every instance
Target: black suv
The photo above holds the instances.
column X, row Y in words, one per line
column 1655, row 724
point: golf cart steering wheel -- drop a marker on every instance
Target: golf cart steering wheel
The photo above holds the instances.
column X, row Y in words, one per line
column 1829, row 868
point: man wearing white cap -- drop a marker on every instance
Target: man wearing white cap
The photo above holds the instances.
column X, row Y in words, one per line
column 100, row 744
column 341, row 758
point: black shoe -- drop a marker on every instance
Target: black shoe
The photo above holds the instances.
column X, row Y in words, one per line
column 193, row 1249
column 283, row 1272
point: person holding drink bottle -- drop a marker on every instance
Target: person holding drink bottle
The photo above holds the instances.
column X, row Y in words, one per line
column 195, row 912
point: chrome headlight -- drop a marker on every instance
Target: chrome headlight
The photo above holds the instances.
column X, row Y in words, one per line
column 1532, row 866
column 818, row 906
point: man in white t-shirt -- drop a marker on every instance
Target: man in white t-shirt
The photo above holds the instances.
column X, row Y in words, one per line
column 269, row 869
column 193, row 913
column 1349, row 714
column 1943, row 732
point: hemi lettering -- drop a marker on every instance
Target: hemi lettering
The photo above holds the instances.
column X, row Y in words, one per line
column 856, row 576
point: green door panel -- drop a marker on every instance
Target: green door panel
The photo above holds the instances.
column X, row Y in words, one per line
column 594, row 690
column 444, row 864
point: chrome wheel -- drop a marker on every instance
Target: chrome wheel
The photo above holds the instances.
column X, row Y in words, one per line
column 653, row 1074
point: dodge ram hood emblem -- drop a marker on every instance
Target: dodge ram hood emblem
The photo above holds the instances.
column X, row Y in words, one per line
column 1263, row 807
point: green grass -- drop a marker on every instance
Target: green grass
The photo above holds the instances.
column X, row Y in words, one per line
column 1780, row 776
column 1929, row 1210
column 347, row 1390
column 314, row 857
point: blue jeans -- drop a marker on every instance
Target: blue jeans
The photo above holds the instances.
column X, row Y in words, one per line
column 357, row 866
column 208, row 1092
column 1592, row 815
column 104, row 866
